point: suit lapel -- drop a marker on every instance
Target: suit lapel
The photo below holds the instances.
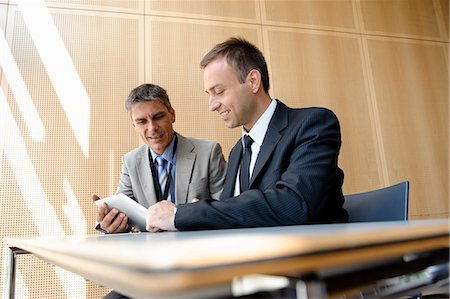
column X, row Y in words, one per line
column 278, row 122
column 184, row 167
column 232, row 169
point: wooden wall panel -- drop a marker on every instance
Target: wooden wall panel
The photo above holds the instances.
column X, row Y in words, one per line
column 411, row 92
column 331, row 14
column 128, row 6
column 326, row 69
column 444, row 12
column 175, row 64
column 225, row 10
column 61, row 175
column 408, row 18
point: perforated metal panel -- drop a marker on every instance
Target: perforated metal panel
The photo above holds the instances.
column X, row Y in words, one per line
column 185, row 84
column 46, row 184
column 229, row 10
column 128, row 6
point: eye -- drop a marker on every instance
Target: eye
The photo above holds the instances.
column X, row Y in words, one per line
column 159, row 116
column 140, row 122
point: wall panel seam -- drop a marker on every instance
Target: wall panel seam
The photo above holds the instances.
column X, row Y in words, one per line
column 372, row 104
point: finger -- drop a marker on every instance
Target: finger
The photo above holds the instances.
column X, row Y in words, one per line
column 102, row 211
column 150, row 227
column 94, row 197
column 148, row 221
column 153, row 229
column 114, row 226
column 107, row 219
column 123, row 225
column 111, row 215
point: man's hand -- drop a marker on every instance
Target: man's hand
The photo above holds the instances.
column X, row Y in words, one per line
column 161, row 217
column 110, row 221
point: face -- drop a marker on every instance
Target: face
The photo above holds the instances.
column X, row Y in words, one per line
column 153, row 122
column 232, row 99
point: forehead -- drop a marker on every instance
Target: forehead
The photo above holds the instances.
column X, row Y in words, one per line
column 218, row 72
column 147, row 108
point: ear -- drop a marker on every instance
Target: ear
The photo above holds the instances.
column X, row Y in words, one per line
column 133, row 124
column 254, row 80
column 172, row 113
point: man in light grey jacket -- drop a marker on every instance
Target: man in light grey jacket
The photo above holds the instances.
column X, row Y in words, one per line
column 193, row 168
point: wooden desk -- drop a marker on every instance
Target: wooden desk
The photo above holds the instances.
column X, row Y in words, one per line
column 203, row 263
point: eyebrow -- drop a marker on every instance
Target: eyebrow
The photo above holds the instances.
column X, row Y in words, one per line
column 159, row 113
column 214, row 86
column 139, row 119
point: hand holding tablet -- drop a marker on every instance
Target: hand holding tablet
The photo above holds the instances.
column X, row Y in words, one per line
column 137, row 214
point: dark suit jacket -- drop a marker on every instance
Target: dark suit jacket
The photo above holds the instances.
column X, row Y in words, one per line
column 295, row 180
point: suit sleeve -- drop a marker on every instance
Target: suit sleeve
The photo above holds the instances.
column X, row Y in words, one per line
column 299, row 185
column 217, row 166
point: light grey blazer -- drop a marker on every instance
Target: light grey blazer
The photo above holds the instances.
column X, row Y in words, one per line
column 200, row 172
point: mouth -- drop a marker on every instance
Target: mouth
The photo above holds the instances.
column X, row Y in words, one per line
column 224, row 114
column 156, row 137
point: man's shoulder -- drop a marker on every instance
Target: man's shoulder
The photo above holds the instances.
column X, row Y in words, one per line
column 140, row 150
column 304, row 111
column 293, row 119
column 311, row 112
column 195, row 142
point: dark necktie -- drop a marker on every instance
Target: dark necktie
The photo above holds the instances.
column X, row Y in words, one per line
column 244, row 176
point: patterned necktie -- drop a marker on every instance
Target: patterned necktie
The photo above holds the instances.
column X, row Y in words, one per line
column 163, row 177
column 244, row 176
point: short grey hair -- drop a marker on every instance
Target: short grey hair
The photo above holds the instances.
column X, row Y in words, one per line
column 147, row 92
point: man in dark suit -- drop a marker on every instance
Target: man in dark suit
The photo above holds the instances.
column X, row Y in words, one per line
column 288, row 175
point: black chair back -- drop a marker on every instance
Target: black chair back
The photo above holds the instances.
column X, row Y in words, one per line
column 386, row 204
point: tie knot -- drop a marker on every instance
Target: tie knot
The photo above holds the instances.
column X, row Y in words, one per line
column 161, row 161
column 248, row 142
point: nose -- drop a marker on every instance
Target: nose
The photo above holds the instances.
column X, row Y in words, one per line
column 213, row 104
column 151, row 125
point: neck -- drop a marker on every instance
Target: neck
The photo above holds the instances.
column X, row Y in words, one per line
column 263, row 103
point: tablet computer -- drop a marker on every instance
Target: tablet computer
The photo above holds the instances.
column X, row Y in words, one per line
column 137, row 214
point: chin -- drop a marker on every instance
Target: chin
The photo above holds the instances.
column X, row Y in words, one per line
column 232, row 125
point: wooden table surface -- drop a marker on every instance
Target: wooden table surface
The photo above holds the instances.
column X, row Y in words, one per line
column 201, row 263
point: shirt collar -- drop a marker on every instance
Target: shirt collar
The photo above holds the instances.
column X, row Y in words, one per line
column 258, row 132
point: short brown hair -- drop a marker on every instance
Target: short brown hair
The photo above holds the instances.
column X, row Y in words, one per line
column 242, row 56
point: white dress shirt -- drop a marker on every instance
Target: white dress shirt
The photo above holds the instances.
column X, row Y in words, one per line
column 257, row 133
